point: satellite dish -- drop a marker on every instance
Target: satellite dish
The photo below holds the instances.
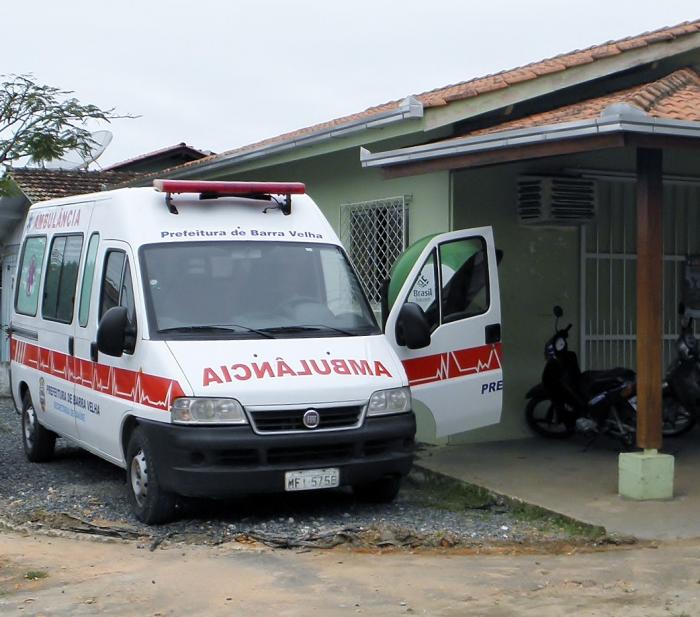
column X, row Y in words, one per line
column 75, row 159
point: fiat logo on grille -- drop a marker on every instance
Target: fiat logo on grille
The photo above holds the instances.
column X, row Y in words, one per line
column 311, row 418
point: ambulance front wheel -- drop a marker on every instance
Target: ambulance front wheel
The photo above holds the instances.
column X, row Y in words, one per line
column 151, row 504
column 383, row 490
column 39, row 442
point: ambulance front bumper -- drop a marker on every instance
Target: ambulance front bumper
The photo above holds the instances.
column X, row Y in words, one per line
column 222, row 461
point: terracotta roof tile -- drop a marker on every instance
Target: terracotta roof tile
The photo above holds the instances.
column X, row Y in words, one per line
column 631, row 44
column 675, row 96
column 605, row 51
column 42, row 184
column 517, row 75
column 475, row 87
column 655, row 37
column 580, row 58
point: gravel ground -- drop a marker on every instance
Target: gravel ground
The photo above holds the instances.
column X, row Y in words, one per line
column 80, row 492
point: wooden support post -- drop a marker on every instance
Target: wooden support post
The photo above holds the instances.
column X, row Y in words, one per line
column 649, row 297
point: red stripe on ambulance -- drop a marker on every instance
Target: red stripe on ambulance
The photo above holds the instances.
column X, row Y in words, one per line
column 453, row 364
column 135, row 386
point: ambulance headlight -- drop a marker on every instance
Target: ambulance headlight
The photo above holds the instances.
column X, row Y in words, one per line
column 396, row 400
column 207, row 411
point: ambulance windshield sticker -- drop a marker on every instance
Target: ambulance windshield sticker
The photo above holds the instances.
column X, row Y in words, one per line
column 32, row 261
column 423, row 292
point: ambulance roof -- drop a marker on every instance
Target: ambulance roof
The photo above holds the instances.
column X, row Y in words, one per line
column 142, row 216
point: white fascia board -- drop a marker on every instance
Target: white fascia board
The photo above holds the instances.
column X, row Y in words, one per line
column 620, row 123
column 409, row 109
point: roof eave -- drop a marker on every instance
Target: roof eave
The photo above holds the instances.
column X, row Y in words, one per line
column 607, row 125
column 409, row 109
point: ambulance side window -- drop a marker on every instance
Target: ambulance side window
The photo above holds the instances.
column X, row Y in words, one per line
column 112, row 280
column 453, row 283
column 31, row 265
column 62, row 278
column 465, row 279
column 88, row 278
column 117, row 287
column 126, row 297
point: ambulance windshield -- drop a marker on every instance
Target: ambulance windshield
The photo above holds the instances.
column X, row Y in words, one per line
column 249, row 289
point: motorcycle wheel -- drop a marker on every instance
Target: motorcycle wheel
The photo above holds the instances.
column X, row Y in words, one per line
column 677, row 419
column 546, row 419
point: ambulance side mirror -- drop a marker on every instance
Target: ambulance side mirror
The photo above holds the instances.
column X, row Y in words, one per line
column 412, row 327
column 112, row 331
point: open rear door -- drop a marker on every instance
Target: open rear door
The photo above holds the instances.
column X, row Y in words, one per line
column 458, row 375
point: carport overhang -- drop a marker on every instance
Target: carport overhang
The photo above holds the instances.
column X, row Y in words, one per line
column 619, row 127
column 630, row 128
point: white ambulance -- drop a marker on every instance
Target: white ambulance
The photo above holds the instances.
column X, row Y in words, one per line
column 213, row 339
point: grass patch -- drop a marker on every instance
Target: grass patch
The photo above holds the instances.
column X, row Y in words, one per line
column 35, row 575
column 440, row 491
column 539, row 516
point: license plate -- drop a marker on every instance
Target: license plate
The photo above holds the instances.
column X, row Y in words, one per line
column 311, row 479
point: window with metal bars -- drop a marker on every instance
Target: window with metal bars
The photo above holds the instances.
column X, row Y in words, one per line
column 374, row 233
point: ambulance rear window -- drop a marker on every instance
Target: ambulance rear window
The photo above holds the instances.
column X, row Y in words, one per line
column 27, row 298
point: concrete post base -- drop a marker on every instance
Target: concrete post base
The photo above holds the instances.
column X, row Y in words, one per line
column 646, row 475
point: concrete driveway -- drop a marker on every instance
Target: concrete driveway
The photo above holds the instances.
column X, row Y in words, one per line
column 568, row 478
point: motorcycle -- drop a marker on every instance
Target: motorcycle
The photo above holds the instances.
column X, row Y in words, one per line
column 682, row 385
column 568, row 400
column 593, row 402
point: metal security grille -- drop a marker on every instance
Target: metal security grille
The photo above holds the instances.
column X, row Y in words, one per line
column 609, row 270
column 374, row 233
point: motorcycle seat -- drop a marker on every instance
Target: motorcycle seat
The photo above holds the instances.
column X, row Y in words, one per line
column 595, row 382
column 618, row 373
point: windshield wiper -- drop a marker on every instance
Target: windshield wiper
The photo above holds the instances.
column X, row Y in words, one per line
column 214, row 328
column 308, row 328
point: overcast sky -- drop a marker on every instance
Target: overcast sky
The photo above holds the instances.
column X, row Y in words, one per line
column 220, row 74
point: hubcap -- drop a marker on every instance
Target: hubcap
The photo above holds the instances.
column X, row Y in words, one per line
column 139, row 477
column 29, row 426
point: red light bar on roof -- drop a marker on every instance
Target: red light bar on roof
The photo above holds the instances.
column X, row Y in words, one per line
column 229, row 188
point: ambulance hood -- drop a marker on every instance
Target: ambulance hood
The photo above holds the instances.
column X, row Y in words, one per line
column 295, row 371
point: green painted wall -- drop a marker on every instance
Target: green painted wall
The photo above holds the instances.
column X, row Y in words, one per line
column 539, row 269
column 338, row 178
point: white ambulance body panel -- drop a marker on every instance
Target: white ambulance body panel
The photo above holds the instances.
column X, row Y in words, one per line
column 228, row 302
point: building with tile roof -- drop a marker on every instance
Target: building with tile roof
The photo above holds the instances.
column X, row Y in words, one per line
column 172, row 156
column 462, row 156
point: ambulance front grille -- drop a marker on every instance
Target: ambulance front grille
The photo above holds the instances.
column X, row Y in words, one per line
column 286, row 420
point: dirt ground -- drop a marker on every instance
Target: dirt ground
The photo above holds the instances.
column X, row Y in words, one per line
column 60, row 577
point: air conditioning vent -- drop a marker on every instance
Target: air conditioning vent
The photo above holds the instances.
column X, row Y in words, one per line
column 556, row 201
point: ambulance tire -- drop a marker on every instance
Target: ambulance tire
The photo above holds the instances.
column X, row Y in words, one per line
column 150, row 503
column 383, row 490
column 39, row 442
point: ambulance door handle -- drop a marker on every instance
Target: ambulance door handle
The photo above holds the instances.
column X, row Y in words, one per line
column 71, row 346
column 93, row 351
column 492, row 333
